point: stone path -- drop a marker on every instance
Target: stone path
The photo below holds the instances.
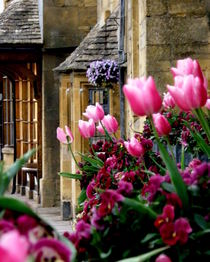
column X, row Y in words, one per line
column 50, row 214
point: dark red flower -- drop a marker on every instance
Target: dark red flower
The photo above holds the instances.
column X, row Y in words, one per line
column 168, row 234
column 182, row 228
column 166, row 217
column 108, row 200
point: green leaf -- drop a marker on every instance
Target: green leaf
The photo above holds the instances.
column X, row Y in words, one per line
column 168, row 187
column 148, row 237
column 94, row 162
column 11, row 172
column 200, row 221
column 139, row 207
column 70, row 175
column 175, row 176
column 200, row 233
column 145, row 256
column 17, row 206
column 200, row 115
column 82, row 197
column 199, row 139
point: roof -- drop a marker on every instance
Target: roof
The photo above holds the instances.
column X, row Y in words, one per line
column 100, row 43
column 19, row 23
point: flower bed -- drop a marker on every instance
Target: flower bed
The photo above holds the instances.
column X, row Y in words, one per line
column 136, row 204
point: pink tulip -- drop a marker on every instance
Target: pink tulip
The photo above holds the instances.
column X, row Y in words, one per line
column 110, row 123
column 161, row 124
column 100, row 129
column 142, row 96
column 94, row 112
column 168, row 101
column 188, row 66
column 65, row 137
column 207, row 105
column 134, row 147
column 13, row 247
column 188, row 92
column 87, row 128
column 163, row 258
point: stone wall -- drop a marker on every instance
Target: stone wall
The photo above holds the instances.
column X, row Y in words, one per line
column 65, row 24
column 105, row 8
column 167, row 30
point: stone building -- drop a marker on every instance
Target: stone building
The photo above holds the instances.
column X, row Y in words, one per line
column 150, row 36
column 35, row 37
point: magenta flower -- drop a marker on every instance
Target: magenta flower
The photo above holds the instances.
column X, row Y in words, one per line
column 150, row 190
column 188, row 92
column 108, row 200
column 94, row 112
column 110, row 123
column 29, row 227
column 188, row 66
column 96, row 220
column 134, row 147
column 125, row 188
column 87, row 128
column 83, row 230
column 161, row 124
column 50, row 250
column 142, row 96
column 168, row 101
column 5, row 226
column 90, row 191
column 182, row 229
column 13, row 247
column 65, row 137
column 163, row 258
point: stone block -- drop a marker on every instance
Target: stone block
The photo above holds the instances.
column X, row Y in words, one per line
column 186, row 30
column 158, row 52
column 158, row 66
column 158, row 30
column 161, row 79
column 157, row 7
column 186, row 7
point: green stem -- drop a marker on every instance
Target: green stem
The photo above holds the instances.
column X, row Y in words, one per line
column 200, row 115
column 108, row 137
column 175, row 176
column 91, row 146
column 182, row 158
column 170, row 148
column 69, row 147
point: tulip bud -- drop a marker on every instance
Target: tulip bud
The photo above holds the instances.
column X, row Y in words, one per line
column 94, row 112
column 65, row 137
column 168, row 101
column 142, row 96
column 134, row 147
column 161, row 124
column 87, row 128
column 110, row 123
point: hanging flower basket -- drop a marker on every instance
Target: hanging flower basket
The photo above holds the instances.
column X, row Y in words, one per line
column 103, row 73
